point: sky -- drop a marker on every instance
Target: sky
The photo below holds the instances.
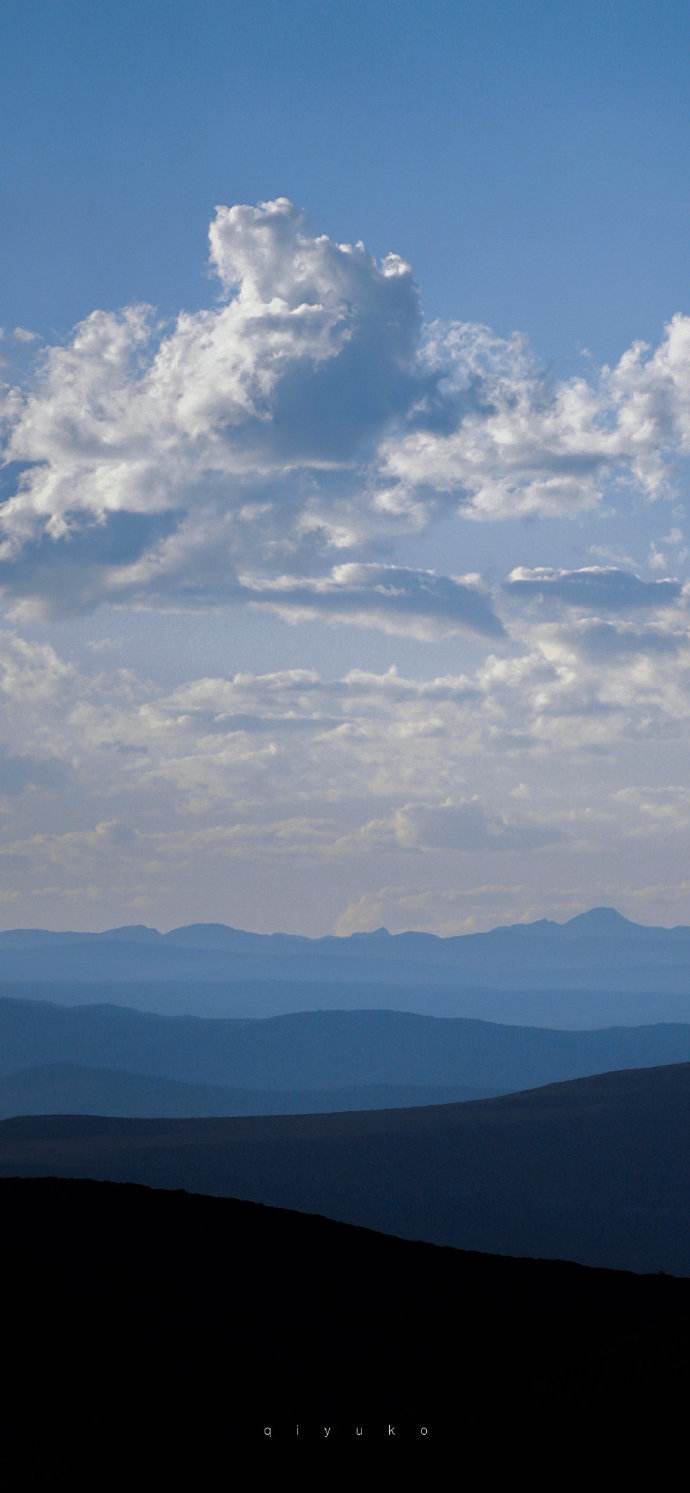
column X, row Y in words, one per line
column 344, row 439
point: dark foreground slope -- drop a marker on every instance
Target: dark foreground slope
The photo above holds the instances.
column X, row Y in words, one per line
column 596, row 1170
column 206, row 1320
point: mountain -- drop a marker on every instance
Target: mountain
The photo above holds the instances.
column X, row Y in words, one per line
column 555, row 1008
column 66, row 1088
column 164, row 1323
column 316, row 1051
column 594, row 1171
column 598, row 968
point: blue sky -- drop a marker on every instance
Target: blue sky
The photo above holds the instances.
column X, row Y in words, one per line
column 530, row 160
column 341, row 600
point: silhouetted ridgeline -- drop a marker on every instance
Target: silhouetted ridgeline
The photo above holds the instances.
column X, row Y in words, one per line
column 595, row 1170
column 196, row 1321
column 596, row 970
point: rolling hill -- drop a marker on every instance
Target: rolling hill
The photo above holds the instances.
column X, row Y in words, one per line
column 315, row 1051
column 594, row 1170
column 65, row 1088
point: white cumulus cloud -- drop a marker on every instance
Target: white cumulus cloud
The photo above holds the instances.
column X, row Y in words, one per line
column 275, row 443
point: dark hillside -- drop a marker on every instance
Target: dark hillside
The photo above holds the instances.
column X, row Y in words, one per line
column 596, row 1170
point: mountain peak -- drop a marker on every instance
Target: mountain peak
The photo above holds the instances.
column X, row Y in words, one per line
column 133, row 933
column 600, row 919
column 372, row 933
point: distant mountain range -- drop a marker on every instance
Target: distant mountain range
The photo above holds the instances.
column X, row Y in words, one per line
column 595, row 970
column 113, row 1060
column 594, row 1170
column 157, row 1324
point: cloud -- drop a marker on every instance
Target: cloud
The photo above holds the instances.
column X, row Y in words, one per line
column 519, row 443
column 509, row 444
column 591, row 685
column 313, row 787
column 390, row 597
column 598, row 587
column 156, row 460
column 295, row 735
column 278, row 442
column 668, row 806
column 31, row 674
column 608, row 643
column 466, row 826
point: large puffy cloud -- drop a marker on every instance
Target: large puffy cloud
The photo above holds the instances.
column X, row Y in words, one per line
column 233, row 437
column 520, row 444
column 503, row 442
column 305, row 418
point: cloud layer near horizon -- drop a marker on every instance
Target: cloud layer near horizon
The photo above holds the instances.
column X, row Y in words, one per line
column 463, row 796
